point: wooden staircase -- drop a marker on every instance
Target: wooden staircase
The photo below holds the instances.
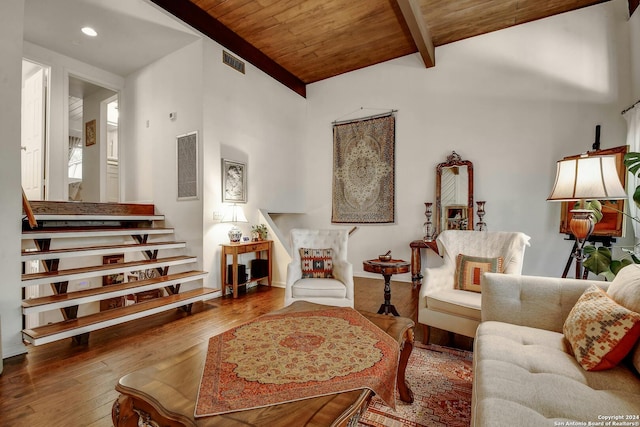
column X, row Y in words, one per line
column 75, row 227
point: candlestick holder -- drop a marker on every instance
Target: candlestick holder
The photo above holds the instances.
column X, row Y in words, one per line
column 481, row 225
column 427, row 227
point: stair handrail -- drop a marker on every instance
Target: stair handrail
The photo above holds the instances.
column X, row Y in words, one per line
column 26, row 207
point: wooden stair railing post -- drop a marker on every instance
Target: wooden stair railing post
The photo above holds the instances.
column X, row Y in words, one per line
column 26, row 207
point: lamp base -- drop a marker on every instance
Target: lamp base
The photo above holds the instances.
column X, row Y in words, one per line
column 581, row 223
column 235, row 234
column 581, row 226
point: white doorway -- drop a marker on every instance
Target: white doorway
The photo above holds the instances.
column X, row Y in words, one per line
column 35, row 79
column 92, row 174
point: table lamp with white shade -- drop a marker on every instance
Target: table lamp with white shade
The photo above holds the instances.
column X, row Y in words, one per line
column 234, row 214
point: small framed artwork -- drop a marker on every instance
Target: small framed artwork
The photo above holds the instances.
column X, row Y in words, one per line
column 234, row 181
column 456, row 216
column 187, row 167
column 90, row 132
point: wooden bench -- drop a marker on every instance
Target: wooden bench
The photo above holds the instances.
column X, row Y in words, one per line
column 165, row 393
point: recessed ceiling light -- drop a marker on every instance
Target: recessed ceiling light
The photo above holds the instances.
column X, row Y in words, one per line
column 89, row 31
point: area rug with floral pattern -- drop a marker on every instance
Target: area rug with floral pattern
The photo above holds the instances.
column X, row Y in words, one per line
column 441, row 380
column 280, row 358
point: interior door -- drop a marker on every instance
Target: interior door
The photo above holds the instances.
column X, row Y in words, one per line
column 33, row 132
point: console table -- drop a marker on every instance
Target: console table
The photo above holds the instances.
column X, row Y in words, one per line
column 416, row 259
column 235, row 249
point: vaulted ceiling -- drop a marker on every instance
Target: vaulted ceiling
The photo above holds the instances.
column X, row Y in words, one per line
column 303, row 41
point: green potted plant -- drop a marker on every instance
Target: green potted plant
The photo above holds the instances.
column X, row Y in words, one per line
column 600, row 260
column 259, row 232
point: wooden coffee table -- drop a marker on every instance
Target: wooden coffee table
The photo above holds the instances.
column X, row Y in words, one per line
column 166, row 392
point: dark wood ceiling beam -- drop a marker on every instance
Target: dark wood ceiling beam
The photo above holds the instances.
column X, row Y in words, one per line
column 419, row 30
column 633, row 5
column 214, row 29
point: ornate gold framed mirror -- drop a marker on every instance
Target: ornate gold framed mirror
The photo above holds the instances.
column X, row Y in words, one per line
column 454, row 194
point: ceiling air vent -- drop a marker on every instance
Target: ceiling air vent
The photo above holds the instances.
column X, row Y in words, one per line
column 232, row 61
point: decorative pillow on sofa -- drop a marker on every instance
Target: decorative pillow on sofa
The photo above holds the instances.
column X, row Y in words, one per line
column 469, row 269
column 600, row 331
column 317, row 263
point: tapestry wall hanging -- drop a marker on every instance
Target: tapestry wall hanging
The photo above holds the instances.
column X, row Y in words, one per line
column 364, row 171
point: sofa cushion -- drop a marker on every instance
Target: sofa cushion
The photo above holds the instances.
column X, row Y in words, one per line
column 625, row 288
column 600, row 331
column 469, row 270
column 526, row 377
column 316, row 263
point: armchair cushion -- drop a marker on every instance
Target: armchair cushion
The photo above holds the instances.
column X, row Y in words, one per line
column 314, row 288
column 469, row 270
column 456, row 302
column 316, row 263
column 600, row 331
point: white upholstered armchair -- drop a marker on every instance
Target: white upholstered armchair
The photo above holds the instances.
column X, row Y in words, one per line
column 441, row 303
column 336, row 290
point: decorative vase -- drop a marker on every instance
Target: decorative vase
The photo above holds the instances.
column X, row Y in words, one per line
column 481, row 225
column 235, row 234
column 427, row 227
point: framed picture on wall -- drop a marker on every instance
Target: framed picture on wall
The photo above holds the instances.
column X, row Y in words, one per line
column 90, row 132
column 187, row 167
column 234, row 181
column 456, row 217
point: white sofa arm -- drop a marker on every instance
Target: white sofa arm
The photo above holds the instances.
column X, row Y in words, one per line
column 535, row 301
column 343, row 271
column 436, row 279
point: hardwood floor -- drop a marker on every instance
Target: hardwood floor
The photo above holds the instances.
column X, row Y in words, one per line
column 66, row 384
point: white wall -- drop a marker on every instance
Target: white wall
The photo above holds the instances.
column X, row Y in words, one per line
column 634, row 36
column 11, row 26
column 148, row 144
column 249, row 118
column 254, row 119
column 513, row 102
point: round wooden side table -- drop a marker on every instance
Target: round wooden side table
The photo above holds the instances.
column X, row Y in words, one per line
column 387, row 269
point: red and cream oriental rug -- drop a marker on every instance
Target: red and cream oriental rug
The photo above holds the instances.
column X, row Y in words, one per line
column 441, row 380
column 280, row 358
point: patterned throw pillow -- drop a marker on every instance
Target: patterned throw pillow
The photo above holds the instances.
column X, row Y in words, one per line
column 316, row 263
column 600, row 331
column 469, row 269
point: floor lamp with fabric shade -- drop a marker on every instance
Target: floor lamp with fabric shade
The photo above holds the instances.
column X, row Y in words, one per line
column 578, row 180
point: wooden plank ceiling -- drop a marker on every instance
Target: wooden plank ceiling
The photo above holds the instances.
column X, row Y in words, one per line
column 304, row 41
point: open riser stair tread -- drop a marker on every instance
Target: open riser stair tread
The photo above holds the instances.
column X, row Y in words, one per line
column 97, row 217
column 68, row 239
column 51, row 302
column 66, row 232
column 98, row 250
column 46, row 277
column 92, row 322
column 50, row 207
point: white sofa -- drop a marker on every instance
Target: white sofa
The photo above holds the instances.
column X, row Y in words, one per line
column 524, row 371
